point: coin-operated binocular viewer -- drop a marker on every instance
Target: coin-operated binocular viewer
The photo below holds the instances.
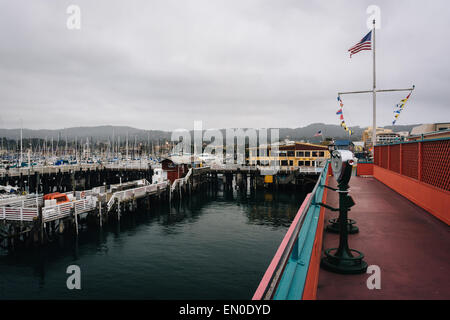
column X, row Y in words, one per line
column 342, row 169
column 343, row 259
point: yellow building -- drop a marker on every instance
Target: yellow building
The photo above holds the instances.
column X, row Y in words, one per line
column 289, row 156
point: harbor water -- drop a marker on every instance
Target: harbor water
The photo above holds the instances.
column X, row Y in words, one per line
column 213, row 245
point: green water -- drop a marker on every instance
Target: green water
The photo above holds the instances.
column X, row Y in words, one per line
column 214, row 246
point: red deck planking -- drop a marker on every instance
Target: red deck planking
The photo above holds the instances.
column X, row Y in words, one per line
column 411, row 247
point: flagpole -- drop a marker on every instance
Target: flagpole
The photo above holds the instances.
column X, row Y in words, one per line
column 374, row 123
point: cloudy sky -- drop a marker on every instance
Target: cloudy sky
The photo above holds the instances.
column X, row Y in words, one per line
column 248, row 63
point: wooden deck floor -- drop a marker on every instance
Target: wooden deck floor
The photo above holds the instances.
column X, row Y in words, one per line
column 411, row 247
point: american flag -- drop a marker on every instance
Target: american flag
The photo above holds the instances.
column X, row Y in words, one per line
column 364, row 44
column 318, row 134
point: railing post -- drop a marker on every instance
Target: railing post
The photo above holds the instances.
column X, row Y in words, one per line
column 419, row 161
column 41, row 225
column 380, row 156
column 401, row 158
column 76, row 219
column 389, row 157
column 100, row 212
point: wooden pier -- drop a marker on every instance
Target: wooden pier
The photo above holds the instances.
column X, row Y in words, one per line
column 112, row 192
column 28, row 219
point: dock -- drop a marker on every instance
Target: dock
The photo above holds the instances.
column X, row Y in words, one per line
column 99, row 193
column 26, row 219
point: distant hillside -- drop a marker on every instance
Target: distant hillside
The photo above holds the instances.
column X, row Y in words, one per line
column 98, row 133
column 106, row 132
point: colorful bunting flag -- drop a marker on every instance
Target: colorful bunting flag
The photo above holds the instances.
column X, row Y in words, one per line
column 399, row 108
column 341, row 116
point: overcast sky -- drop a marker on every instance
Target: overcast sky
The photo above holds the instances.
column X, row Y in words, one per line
column 244, row 63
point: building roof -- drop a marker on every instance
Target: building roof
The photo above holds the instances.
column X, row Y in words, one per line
column 181, row 159
column 293, row 145
column 431, row 135
column 427, row 128
column 343, row 143
column 304, row 146
column 384, row 130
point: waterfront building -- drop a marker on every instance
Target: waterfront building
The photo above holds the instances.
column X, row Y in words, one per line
column 384, row 136
column 430, row 131
column 174, row 169
column 430, row 127
column 291, row 155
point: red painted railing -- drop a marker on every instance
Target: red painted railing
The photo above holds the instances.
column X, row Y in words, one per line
column 425, row 161
column 436, row 164
column 419, row 171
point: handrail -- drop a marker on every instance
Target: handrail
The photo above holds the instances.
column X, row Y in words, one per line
column 181, row 181
column 272, row 277
column 61, row 210
column 29, row 200
column 139, row 190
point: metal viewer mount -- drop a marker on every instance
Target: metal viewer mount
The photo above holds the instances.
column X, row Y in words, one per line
column 343, row 259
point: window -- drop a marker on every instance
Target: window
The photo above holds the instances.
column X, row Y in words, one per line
column 263, row 152
column 291, row 153
column 300, row 154
column 284, row 163
column 321, row 154
column 301, row 163
column 60, row 199
column 308, row 163
column 307, row 154
column 291, row 162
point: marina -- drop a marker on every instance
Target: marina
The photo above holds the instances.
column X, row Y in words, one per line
column 30, row 218
column 160, row 252
column 250, row 151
